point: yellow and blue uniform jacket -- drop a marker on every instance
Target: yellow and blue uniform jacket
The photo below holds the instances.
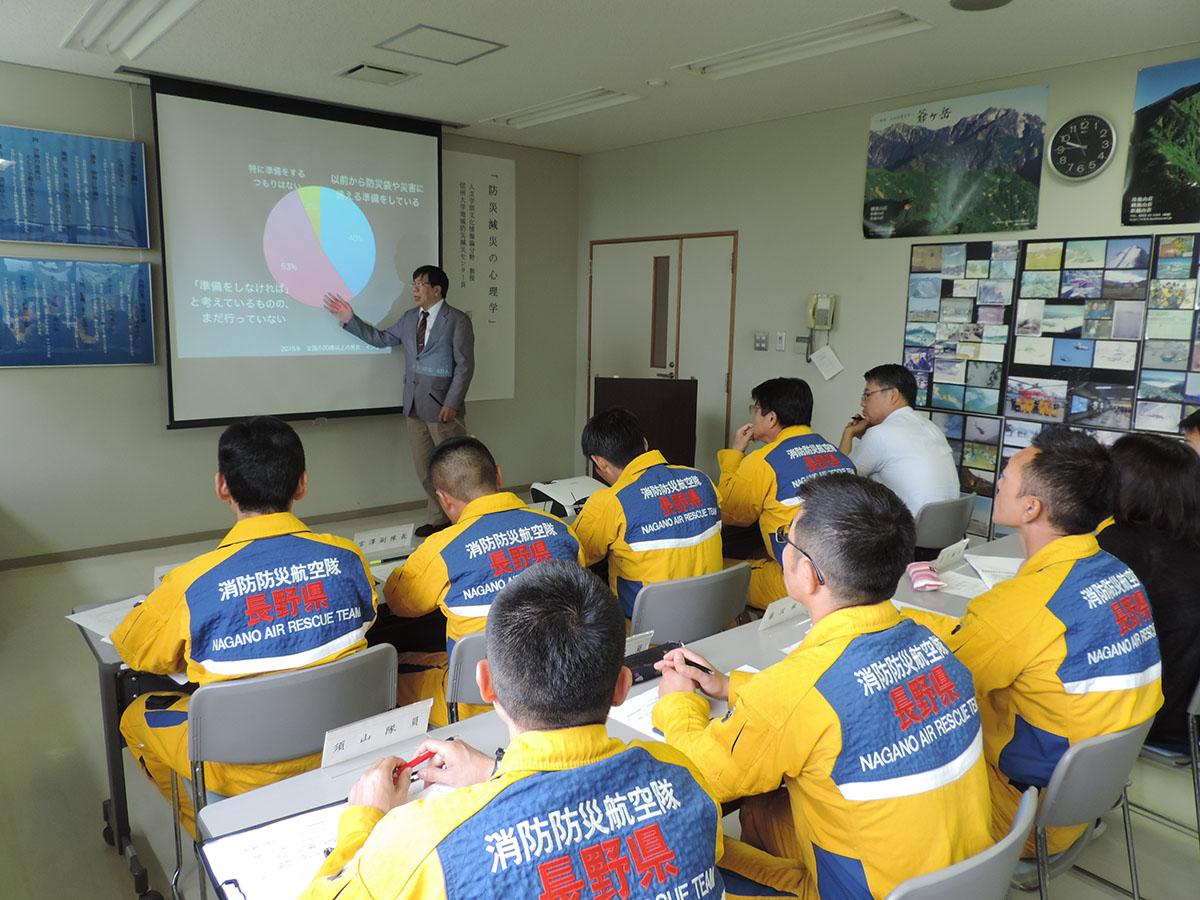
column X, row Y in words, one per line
column 273, row 596
column 569, row 813
column 1064, row 651
column 460, row 569
column 656, row 523
column 873, row 728
column 761, row 486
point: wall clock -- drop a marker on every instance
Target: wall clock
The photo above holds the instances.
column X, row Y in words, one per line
column 1082, row 147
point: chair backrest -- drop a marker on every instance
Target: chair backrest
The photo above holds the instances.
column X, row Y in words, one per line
column 460, row 677
column 1193, row 707
column 688, row 609
column 1090, row 777
column 945, row 522
column 274, row 717
column 984, row 876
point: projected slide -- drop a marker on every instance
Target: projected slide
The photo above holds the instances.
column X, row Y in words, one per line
column 318, row 242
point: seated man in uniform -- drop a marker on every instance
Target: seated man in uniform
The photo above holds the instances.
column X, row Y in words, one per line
column 761, row 487
column 565, row 810
column 1066, row 650
column 871, row 723
column 273, row 596
column 656, row 522
column 493, row 536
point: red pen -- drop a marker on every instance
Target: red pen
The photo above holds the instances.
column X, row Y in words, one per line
column 411, row 764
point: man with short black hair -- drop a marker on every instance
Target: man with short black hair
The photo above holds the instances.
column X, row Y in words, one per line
column 656, row 522
column 566, row 810
column 1191, row 430
column 1066, row 650
column 273, row 596
column 439, row 355
column 898, row 446
column 761, row 486
column 871, row 724
column 493, row 536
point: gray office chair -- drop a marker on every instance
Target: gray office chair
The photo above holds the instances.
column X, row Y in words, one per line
column 1191, row 758
column 460, row 675
column 688, row 609
column 984, row 876
column 1086, row 781
column 276, row 717
column 945, row 522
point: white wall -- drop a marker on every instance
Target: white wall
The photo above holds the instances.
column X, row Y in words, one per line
column 85, row 456
column 793, row 188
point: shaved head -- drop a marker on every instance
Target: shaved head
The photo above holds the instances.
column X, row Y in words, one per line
column 463, row 468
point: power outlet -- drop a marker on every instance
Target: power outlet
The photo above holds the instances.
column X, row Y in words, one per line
column 781, row 341
column 800, row 345
column 762, row 340
column 385, row 543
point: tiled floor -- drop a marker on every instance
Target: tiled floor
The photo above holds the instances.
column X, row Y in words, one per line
column 52, row 777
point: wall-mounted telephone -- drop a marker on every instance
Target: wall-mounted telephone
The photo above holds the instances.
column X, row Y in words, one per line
column 821, row 308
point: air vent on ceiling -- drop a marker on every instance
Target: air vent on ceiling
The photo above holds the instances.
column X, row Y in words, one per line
column 562, row 108
column 439, row 45
column 376, row 74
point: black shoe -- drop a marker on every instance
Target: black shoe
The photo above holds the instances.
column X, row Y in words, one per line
column 429, row 528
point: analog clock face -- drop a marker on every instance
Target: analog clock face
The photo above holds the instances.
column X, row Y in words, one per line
column 1082, row 146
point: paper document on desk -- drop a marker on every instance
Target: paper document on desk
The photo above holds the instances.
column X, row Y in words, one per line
column 637, row 712
column 962, row 585
column 994, row 569
column 103, row 620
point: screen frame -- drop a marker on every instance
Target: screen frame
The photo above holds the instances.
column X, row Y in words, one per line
column 296, row 106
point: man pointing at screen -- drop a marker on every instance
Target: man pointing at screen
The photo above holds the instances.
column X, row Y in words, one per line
column 439, row 359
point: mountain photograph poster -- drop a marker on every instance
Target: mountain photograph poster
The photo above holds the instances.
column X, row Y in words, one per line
column 1162, row 181
column 962, row 166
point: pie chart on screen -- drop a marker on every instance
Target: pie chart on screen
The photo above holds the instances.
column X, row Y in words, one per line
column 317, row 242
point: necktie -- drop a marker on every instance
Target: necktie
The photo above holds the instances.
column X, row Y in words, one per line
column 421, row 331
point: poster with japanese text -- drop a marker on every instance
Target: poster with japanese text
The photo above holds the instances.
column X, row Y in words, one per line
column 1162, row 180
column 72, row 189
column 62, row 312
column 479, row 256
column 960, row 166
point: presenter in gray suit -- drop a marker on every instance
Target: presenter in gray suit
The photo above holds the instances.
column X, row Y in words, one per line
column 439, row 359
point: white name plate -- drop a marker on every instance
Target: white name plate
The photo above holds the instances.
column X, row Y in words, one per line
column 368, row 736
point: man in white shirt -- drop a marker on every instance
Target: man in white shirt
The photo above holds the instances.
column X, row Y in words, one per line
column 898, row 447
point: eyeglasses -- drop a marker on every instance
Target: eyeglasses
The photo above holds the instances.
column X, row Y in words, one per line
column 781, row 535
column 418, row 284
column 866, row 394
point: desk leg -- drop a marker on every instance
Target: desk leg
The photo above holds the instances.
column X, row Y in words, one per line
column 116, row 808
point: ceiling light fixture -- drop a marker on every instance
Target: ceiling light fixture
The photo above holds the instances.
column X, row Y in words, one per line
column 562, row 108
column 978, row 5
column 879, row 26
column 125, row 28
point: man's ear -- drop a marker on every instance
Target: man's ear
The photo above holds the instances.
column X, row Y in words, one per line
column 301, row 488
column 483, row 679
column 499, row 477
column 621, row 689
column 444, row 499
column 1032, row 509
column 222, row 488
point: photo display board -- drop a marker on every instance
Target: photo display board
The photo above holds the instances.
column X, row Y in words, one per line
column 1101, row 334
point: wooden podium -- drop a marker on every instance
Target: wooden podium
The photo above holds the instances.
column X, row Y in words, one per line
column 666, row 407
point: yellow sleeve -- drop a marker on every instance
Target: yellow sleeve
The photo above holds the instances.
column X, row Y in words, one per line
column 415, row 588
column 153, row 636
column 939, row 624
column 596, row 528
column 740, row 493
column 354, row 827
column 984, row 646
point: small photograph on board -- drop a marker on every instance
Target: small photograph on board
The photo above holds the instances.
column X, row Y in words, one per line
column 951, row 425
column 1101, row 404
column 1173, row 268
column 1171, row 355
column 1036, row 399
column 1157, row 384
column 1029, row 316
column 1084, row 254
column 1176, row 246
column 946, row 396
column 984, row 374
column 1044, row 255
column 964, row 287
column 1007, row 250
column 981, row 516
column 1191, row 388
column 1095, row 309
column 923, row 309
column 1063, row 320
column 990, row 315
column 949, row 371
column 1081, row 284
column 1072, row 352
column 1169, row 324
column 926, row 287
column 974, row 481
column 995, row 334
column 967, row 331
column 1039, row 284
column 978, row 268
column 1107, row 438
column 1155, row 416
column 918, row 359
column 1125, row 284
column 990, row 353
column 954, row 260
column 957, row 310
column 967, row 350
column 922, row 380
column 982, row 430
column 980, row 456
column 981, row 400
column 1173, row 293
column 995, row 292
column 1127, row 320
column 1097, row 328
column 1020, row 434
column 1004, row 268
column 1128, row 253
column 1117, row 355
column 1033, row 351
column 920, row 335
column 926, row 258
